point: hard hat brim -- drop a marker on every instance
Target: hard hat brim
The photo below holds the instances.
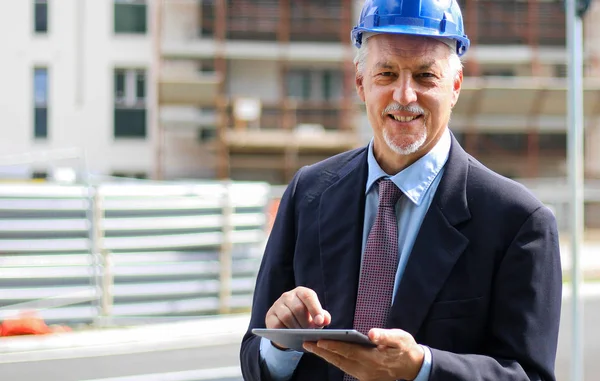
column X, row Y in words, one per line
column 462, row 42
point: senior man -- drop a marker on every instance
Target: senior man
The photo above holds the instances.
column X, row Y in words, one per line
column 452, row 270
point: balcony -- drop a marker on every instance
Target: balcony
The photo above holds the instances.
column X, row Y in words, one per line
column 519, row 104
column 320, row 21
column 286, row 137
column 515, row 22
column 187, row 117
column 272, row 20
column 280, row 140
column 257, row 30
column 276, row 116
column 304, row 127
column 188, row 89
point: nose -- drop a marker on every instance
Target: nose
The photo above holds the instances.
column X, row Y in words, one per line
column 405, row 93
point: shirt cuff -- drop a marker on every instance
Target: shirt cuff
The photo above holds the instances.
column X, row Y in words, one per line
column 280, row 364
column 426, row 367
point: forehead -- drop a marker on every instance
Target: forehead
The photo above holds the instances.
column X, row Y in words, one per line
column 407, row 48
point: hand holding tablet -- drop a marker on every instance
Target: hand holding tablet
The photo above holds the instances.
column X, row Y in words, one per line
column 297, row 317
column 293, row 338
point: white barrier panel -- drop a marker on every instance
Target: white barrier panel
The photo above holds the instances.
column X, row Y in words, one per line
column 136, row 249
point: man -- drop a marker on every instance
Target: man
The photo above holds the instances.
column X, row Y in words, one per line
column 462, row 281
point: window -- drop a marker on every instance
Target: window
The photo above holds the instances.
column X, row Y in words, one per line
column 299, row 84
column 207, row 134
column 315, row 85
column 130, row 175
column 207, row 66
column 332, row 84
column 40, row 101
column 498, row 72
column 515, row 143
column 553, row 143
column 39, row 175
column 207, row 21
column 40, row 16
column 130, row 103
column 561, row 70
column 130, row 16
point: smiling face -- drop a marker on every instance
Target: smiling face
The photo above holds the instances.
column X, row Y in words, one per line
column 409, row 88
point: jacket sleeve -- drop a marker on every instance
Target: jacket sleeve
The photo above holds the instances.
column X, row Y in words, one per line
column 522, row 333
column 275, row 277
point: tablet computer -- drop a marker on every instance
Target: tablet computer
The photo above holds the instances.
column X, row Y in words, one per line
column 293, row 338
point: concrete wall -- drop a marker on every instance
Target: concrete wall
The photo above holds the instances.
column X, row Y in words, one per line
column 592, row 38
column 250, row 78
column 80, row 51
column 592, row 149
column 180, row 20
column 185, row 157
column 592, row 51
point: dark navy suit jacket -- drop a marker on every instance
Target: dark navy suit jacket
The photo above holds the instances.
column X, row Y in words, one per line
column 482, row 287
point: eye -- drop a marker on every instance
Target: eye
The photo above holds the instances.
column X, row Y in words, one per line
column 426, row 75
column 386, row 74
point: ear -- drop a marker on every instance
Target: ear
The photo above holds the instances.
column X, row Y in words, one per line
column 456, row 86
column 358, row 79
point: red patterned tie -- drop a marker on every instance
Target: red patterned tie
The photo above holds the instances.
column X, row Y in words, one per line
column 379, row 264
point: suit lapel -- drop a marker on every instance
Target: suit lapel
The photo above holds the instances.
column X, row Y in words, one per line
column 437, row 247
column 341, row 217
column 341, row 214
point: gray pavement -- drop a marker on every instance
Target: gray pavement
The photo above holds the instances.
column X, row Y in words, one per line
column 148, row 364
column 591, row 317
column 205, row 349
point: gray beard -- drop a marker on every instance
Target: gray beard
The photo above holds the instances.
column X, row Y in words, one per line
column 405, row 150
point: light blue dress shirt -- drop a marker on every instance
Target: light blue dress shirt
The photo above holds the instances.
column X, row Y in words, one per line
column 418, row 183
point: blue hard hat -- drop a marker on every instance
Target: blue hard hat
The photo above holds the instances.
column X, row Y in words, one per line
column 432, row 18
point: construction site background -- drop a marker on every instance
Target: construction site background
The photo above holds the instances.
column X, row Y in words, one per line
column 255, row 89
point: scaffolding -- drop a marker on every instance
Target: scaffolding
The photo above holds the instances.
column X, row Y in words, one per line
column 511, row 112
column 515, row 120
column 289, row 132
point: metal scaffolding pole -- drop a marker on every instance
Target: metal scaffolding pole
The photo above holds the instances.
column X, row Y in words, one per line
column 576, row 181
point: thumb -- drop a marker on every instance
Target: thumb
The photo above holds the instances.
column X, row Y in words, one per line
column 388, row 337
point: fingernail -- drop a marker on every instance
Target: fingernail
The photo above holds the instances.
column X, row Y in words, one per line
column 319, row 319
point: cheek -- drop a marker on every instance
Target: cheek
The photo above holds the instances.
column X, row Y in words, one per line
column 378, row 100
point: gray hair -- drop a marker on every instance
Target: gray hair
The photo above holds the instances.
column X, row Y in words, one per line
column 454, row 62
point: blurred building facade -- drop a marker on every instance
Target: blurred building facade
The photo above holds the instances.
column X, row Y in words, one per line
column 284, row 53
column 254, row 89
column 74, row 74
column 512, row 110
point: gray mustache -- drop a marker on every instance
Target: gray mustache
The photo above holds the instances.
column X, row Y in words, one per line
column 399, row 107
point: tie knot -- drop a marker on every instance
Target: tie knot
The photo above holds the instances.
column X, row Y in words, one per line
column 389, row 194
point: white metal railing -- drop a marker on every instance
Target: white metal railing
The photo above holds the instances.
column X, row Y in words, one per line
column 112, row 252
column 119, row 252
column 556, row 193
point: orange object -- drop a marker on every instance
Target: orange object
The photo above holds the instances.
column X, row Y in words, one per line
column 272, row 209
column 28, row 324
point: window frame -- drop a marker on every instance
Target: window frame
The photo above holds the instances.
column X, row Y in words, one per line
column 317, row 84
column 130, row 102
column 40, row 132
column 118, row 29
column 37, row 5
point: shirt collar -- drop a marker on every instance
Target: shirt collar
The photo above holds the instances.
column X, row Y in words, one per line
column 415, row 180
